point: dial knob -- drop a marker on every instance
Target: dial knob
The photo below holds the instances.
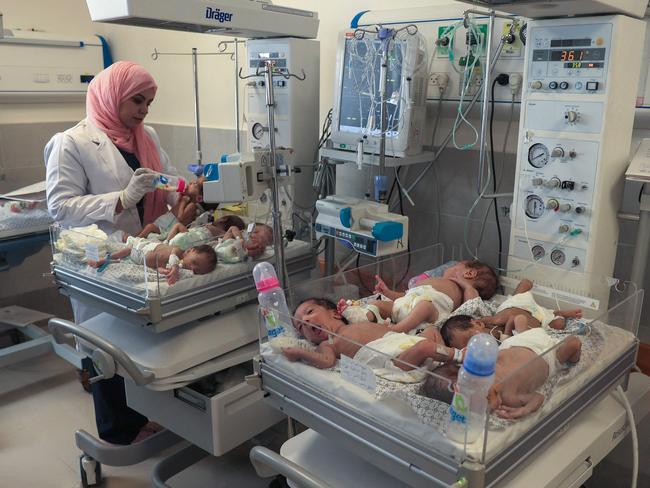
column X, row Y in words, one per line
column 553, row 85
column 571, row 116
column 565, row 207
column 553, row 183
column 552, row 204
column 564, row 228
column 580, row 210
column 564, row 85
column 572, row 154
column 536, row 85
column 557, row 152
column 575, row 262
column 538, row 181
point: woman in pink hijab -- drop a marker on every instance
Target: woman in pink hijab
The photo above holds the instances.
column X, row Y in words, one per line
column 102, row 171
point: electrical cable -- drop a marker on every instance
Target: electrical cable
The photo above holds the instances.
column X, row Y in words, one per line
column 494, row 173
column 634, row 434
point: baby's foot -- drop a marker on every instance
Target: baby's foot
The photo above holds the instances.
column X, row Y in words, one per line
column 570, row 350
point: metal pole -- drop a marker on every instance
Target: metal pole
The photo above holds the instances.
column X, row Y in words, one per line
column 640, row 259
column 486, row 101
column 277, row 215
column 383, row 81
column 197, row 123
column 237, row 123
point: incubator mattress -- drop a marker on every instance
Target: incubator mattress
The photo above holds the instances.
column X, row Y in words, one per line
column 401, row 409
column 132, row 277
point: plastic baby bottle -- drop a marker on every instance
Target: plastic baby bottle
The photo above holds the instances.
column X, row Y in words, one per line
column 273, row 303
column 468, row 408
column 170, row 183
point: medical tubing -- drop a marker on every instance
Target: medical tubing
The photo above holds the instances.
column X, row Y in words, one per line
column 494, row 173
column 634, row 434
column 444, row 143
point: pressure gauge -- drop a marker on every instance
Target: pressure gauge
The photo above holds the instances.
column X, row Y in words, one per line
column 558, row 257
column 538, row 155
column 534, row 206
column 538, row 252
column 258, row 130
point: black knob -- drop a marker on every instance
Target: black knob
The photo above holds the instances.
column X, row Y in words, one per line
column 443, row 41
column 564, row 85
column 553, row 85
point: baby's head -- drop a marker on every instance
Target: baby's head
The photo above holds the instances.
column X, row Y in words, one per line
column 227, row 221
column 318, row 311
column 262, row 234
column 200, row 259
column 480, row 275
column 458, row 330
column 194, row 190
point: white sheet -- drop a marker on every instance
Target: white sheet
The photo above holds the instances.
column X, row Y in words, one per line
column 397, row 416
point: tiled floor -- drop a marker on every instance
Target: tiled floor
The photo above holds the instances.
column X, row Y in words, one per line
column 42, row 404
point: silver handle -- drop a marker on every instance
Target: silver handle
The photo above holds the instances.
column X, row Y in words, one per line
column 268, row 463
column 62, row 329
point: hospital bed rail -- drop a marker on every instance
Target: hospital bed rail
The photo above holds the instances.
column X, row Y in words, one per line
column 417, row 459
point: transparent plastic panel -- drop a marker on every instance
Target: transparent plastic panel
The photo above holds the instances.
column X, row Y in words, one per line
column 181, row 265
column 22, row 217
column 358, row 365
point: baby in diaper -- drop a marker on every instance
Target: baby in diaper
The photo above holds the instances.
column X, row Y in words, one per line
column 521, row 307
column 376, row 345
column 167, row 259
column 432, row 300
column 235, row 246
column 522, row 367
column 185, row 238
column 183, row 212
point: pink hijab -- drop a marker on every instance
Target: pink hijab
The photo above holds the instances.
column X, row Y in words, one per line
column 106, row 92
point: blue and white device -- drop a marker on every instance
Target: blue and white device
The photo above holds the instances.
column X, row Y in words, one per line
column 368, row 227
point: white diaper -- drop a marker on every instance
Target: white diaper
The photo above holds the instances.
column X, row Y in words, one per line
column 165, row 223
column 538, row 341
column 404, row 305
column 526, row 301
column 140, row 247
column 378, row 355
column 231, row 251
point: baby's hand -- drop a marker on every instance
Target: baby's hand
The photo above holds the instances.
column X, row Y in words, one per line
column 95, row 264
column 380, row 286
column 341, row 305
column 293, row 353
column 469, row 291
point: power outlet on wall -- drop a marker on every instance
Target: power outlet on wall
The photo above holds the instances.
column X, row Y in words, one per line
column 474, row 83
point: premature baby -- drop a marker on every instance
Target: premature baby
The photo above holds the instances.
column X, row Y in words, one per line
column 521, row 306
column 431, row 301
column 319, row 321
column 522, row 367
column 167, row 259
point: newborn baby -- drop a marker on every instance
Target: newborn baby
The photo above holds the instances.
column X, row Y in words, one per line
column 318, row 319
column 522, row 367
column 185, row 238
column 167, row 259
column 433, row 299
column 522, row 307
column 234, row 247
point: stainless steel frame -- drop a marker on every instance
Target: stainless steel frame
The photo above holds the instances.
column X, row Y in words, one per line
column 163, row 313
column 421, row 465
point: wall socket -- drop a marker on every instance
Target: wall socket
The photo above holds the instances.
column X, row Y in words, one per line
column 474, row 83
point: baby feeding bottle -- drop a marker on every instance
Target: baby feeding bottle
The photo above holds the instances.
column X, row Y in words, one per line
column 273, row 303
column 468, row 408
column 170, row 183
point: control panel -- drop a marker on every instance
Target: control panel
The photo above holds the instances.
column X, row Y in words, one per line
column 580, row 85
column 569, row 61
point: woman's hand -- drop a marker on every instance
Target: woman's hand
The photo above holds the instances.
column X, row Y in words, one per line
column 140, row 184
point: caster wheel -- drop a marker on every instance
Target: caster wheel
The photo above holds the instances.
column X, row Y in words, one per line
column 279, row 482
column 90, row 471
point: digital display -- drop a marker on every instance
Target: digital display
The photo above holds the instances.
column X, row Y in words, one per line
column 583, row 65
column 577, row 55
column 571, row 42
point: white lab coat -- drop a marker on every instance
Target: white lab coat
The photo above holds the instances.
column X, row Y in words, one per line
column 85, row 173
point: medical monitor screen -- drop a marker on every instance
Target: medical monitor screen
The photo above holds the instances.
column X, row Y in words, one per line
column 360, row 103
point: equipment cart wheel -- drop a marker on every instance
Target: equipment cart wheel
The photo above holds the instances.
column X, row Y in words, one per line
column 90, row 470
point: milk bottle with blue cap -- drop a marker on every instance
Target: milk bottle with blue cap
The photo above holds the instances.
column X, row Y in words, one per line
column 468, row 408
